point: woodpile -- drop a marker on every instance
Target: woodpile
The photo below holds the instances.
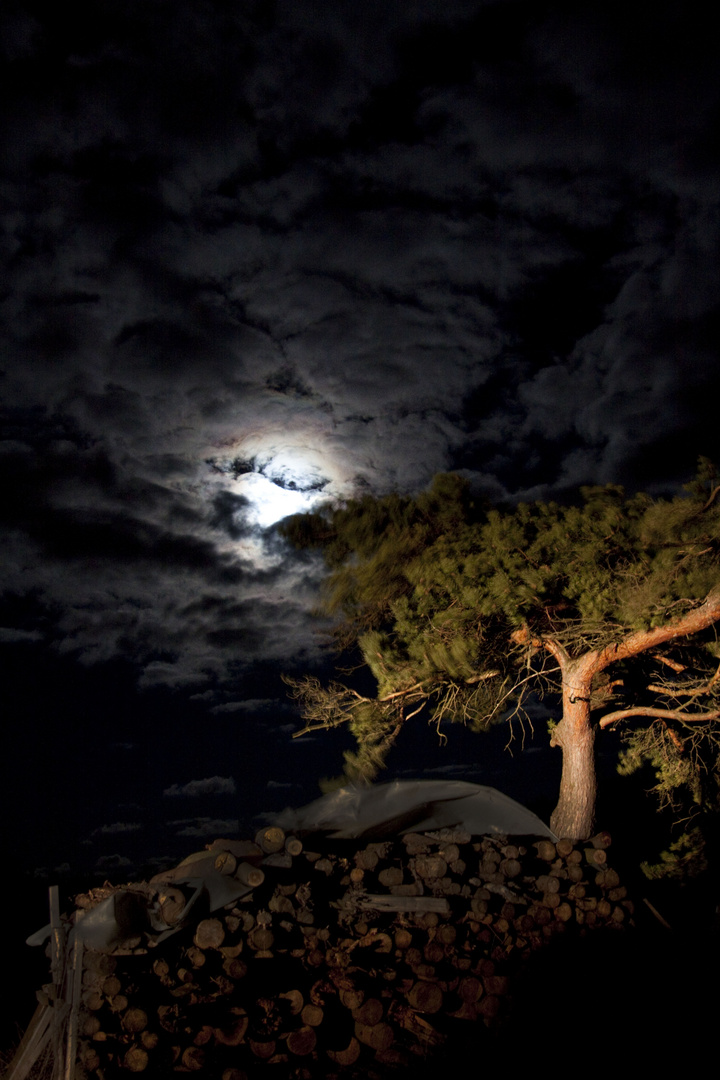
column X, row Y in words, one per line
column 345, row 959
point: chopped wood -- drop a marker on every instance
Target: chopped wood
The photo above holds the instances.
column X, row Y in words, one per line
column 135, row 1060
column 348, row 1056
column 302, row 1041
column 209, row 934
column 243, row 850
column 546, row 850
column 378, row 1036
column 380, row 902
column 172, row 905
column 134, row 1020
column 426, row 997
column 270, row 839
column 225, row 863
column 358, row 959
column 369, row 1013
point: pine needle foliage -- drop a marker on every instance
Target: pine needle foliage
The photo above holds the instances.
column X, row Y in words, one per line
column 459, row 610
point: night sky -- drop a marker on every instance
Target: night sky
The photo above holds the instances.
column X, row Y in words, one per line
column 263, row 254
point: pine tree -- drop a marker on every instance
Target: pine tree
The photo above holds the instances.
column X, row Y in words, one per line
column 459, row 611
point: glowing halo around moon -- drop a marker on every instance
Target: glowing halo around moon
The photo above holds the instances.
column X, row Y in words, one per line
column 279, row 474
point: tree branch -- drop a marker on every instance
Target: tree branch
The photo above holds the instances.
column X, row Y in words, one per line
column 674, row 664
column 662, row 714
column 524, row 637
column 692, row 622
column 399, row 693
column 671, row 690
column 711, row 500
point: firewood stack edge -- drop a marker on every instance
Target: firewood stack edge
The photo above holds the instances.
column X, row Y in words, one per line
column 346, row 959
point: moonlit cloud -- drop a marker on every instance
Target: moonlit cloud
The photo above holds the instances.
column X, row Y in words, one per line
column 9, row 635
column 116, row 828
column 273, row 256
column 204, row 826
column 113, row 864
column 211, row 785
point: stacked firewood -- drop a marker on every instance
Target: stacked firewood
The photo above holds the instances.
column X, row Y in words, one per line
column 344, row 960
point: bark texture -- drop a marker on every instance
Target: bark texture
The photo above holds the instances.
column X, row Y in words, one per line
column 575, row 734
column 574, row 814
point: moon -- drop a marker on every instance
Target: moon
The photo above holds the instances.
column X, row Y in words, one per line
column 270, row 502
column 279, row 473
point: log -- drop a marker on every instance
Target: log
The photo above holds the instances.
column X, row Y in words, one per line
column 209, row 934
column 193, row 1058
column 90, row 1058
column 226, row 863
column 546, row 850
column 261, row 938
column 352, row 997
column 136, row 1059
column 234, row 968
column 302, row 1041
column 378, row 1036
column 295, row 1000
column 430, row 866
column 135, row 1020
column 380, row 902
column 243, row 850
column 270, row 839
column 348, row 1056
column 391, row 875
column 426, row 997
column 172, row 904
column 416, row 843
column 402, row 939
column 233, row 1033
column 263, row 1049
column 196, row 956
column 312, row 1015
column 367, row 859
column 369, row 1013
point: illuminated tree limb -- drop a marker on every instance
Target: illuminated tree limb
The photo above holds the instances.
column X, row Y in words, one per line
column 663, row 714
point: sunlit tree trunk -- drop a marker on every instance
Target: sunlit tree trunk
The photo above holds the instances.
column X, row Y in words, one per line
column 575, row 812
column 574, row 815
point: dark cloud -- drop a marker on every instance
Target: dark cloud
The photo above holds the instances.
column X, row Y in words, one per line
column 330, row 249
column 205, row 826
column 211, row 785
column 111, row 864
column 116, row 828
column 228, row 512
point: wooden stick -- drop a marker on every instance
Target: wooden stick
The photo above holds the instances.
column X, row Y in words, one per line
column 657, row 914
column 57, row 940
column 381, row 902
column 75, row 991
column 32, row 1044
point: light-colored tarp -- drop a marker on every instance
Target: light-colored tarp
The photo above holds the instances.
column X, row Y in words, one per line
column 414, row 806
column 128, row 913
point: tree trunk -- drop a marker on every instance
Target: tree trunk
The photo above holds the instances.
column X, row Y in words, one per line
column 574, row 814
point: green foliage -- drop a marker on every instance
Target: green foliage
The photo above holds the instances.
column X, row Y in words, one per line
column 451, row 604
column 676, row 768
column 685, row 858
